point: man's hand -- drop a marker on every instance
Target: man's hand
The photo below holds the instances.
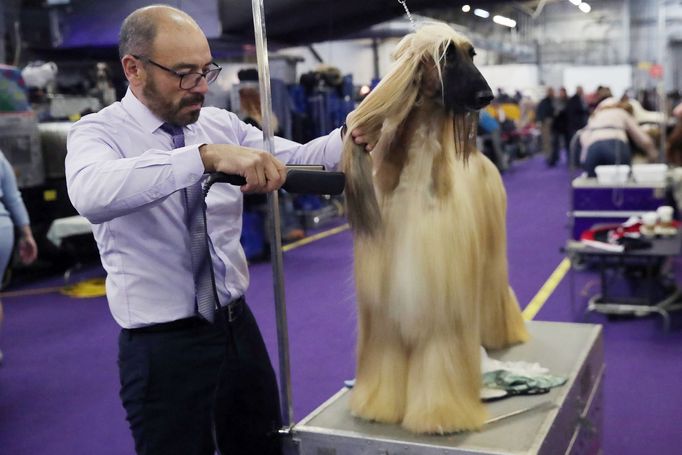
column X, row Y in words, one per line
column 360, row 138
column 262, row 171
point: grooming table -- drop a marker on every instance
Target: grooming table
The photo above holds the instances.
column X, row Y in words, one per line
column 72, row 235
column 67, row 227
column 567, row 420
column 606, row 302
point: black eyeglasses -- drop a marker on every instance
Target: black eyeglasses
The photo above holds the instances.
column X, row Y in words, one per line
column 187, row 80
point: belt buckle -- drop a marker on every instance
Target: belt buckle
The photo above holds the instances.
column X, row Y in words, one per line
column 232, row 310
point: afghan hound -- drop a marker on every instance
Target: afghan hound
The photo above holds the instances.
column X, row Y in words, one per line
column 427, row 212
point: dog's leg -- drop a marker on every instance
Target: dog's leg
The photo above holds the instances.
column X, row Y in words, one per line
column 501, row 321
column 379, row 391
column 443, row 387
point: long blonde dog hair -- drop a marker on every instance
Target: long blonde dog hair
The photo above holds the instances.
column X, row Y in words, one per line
column 428, row 214
column 386, row 108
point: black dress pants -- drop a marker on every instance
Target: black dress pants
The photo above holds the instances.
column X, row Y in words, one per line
column 184, row 386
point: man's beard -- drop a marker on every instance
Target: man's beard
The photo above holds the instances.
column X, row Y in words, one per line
column 169, row 112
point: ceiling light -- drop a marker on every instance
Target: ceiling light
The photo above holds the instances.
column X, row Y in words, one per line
column 511, row 23
column 481, row 13
column 576, row 2
column 466, row 8
column 585, row 7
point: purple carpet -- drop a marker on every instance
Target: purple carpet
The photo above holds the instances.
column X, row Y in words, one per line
column 59, row 385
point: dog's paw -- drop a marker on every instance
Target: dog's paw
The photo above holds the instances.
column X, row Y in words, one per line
column 377, row 407
column 443, row 420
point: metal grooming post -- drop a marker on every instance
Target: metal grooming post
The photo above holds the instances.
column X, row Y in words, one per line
column 273, row 208
column 409, row 15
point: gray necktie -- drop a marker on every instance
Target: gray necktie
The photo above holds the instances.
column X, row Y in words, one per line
column 202, row 270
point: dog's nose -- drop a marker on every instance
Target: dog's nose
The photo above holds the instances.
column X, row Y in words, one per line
column 483, row 98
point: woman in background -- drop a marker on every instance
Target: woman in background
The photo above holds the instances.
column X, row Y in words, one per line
column 13, row 214
column 606, row 138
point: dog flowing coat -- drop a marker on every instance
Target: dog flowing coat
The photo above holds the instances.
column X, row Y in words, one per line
column 428, row 215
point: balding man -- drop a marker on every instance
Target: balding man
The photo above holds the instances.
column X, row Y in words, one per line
column 132, row 170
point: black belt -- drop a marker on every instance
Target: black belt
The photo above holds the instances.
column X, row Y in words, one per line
column 231, row 312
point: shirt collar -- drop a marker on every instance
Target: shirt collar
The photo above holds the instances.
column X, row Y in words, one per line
column 141, row 113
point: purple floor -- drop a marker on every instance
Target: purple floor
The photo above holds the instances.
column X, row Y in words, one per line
column 59, row 386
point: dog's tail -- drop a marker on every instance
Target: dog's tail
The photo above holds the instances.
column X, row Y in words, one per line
column 361, row 201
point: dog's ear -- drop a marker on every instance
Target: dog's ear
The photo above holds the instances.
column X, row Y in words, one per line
column 429, row 77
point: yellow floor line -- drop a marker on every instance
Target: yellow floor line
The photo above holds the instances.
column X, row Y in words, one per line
column 285, row 248
column 313, row 238
column 546, row 290
column 528, row 313
column 26, row 292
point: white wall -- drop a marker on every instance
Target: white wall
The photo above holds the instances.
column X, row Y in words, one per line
column 617, row 77
column 510, row 78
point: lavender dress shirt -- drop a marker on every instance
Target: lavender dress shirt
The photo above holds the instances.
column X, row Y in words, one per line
column 123, row 175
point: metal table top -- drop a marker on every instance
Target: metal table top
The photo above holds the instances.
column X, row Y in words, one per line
column 561, row 347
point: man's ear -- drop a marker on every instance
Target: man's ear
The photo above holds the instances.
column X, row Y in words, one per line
column 133, row 70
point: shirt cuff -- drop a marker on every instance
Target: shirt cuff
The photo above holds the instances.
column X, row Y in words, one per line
column 187, row 165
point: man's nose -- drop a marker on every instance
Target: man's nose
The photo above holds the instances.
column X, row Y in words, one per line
column 202, row 86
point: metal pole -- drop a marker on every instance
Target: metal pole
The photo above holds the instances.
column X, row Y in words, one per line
column 662, row 47
column 273, row 206
column 375, row 57
column 3, row 34
column 627, row 51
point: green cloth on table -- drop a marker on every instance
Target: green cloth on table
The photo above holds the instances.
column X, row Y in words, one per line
column 502, row 379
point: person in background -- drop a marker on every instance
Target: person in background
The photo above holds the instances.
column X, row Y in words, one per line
column 605, row 139
column 577, row 113
column 545, row 116
column 600, row 94
column 249, row 104
column 195, row 375
column 527, row 115
column 13, row 215
column 489, row 129
column 673, row 147
column 559, row 127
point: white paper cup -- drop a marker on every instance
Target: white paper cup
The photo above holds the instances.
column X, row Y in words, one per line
column 649, row 219
column 665, row 213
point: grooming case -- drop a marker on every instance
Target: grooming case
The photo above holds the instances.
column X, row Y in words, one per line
column 567, row 420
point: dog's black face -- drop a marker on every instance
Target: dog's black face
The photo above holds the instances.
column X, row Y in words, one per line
column 464, row 88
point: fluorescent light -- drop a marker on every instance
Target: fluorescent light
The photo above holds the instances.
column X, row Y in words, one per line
column 511, row 23
column 466, row 8
column 576, row 2
column 585, row 7
column 481, row 13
